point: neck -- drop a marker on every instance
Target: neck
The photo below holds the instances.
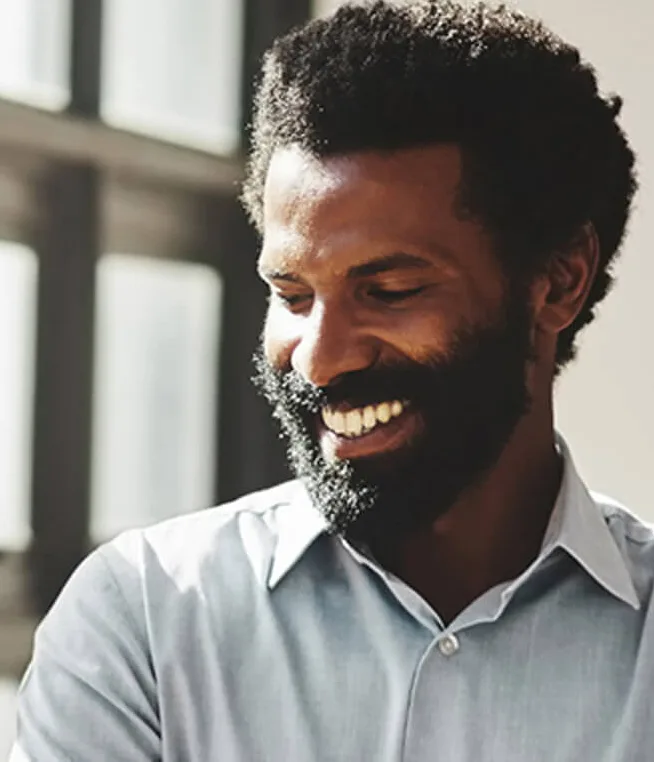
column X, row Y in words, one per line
column 492, row 533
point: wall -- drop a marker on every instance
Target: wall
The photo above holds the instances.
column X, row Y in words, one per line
column 605, row 401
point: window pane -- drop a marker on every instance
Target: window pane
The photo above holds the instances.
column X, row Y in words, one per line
column 172, row 68
column 18, row 274
column 34, row 42
column 155, row 391
column 8, row 694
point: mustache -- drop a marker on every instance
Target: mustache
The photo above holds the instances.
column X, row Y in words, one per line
column 375, row 385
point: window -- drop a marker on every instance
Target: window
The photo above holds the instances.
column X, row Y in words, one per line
column 18, row 272
column 141, row 434
column 155, row 413
column 34, row 51
column 171, row 69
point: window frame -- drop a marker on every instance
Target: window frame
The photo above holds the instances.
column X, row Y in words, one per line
column 72, row 186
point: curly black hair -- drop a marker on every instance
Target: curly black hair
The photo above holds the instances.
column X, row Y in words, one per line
column 543, row 154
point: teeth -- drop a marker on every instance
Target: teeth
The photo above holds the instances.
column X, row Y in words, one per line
column 353, row 423
column 361, row 420
column 369, row 417
column 337, row 422
column 384, row 412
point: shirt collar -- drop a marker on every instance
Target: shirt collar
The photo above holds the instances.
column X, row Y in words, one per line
column 577, row 526
column 298, row 525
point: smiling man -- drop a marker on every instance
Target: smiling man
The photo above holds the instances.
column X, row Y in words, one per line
column 441, row 192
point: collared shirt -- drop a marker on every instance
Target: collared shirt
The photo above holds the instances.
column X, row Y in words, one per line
column 248, row 634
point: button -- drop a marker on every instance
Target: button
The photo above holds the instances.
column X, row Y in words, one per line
column 448, row 645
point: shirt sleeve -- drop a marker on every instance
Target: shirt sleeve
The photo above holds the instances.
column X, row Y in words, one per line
column 89, row 693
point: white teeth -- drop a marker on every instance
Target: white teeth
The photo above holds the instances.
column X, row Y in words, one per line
column 383, row 412
column 338, row 422
column 353, row 423
column 396, row 408
column 361, row 420
column 369, row 417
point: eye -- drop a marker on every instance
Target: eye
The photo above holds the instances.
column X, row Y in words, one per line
column 390, row 296
column 292, row 301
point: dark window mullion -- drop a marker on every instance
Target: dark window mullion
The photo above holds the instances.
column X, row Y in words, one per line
column 264, row 20
column 68, row 244
column 250, row 454
column 85, row 73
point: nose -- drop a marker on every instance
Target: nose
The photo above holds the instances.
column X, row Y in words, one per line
column 332, row 344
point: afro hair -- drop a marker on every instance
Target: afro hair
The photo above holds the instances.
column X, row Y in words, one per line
column 543, row 153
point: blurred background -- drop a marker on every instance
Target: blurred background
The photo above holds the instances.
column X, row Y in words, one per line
column 129, row 305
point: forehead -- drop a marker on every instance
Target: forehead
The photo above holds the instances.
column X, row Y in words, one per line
column 410, row 181
column 359, row 205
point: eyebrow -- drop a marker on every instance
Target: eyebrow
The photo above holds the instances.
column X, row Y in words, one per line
column 377, row 266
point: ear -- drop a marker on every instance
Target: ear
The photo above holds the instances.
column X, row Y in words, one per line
column 560, row 293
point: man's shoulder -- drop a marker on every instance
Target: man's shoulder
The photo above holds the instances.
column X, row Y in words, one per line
column 634, row 537
column 261, row 505
column 242, row 531
column 624, row 523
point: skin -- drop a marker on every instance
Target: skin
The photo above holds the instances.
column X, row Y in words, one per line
column 333, row 229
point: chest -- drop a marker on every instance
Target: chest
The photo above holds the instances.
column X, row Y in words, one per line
column 338, row 682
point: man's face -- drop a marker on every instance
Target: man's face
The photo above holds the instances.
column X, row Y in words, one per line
column 394, row 351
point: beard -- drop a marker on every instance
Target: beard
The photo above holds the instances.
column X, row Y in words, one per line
column 469, row 402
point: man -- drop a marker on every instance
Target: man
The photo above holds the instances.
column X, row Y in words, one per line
column 441, row 194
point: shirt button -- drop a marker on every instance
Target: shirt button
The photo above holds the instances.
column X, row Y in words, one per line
column 448, row 645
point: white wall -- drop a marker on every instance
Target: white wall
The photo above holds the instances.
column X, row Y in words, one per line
column 605, row 401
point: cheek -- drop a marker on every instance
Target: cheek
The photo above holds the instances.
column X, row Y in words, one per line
column 422, row 336
column 278, row 339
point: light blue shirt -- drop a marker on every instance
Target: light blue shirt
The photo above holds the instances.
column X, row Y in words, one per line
column 247, row 634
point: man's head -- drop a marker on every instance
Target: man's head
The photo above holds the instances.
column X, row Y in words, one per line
column 441, row 192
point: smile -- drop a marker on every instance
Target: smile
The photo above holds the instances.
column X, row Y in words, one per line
column 357, row 422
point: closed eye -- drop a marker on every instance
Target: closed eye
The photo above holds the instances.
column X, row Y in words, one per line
column 289, row 300
column 390, row 296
